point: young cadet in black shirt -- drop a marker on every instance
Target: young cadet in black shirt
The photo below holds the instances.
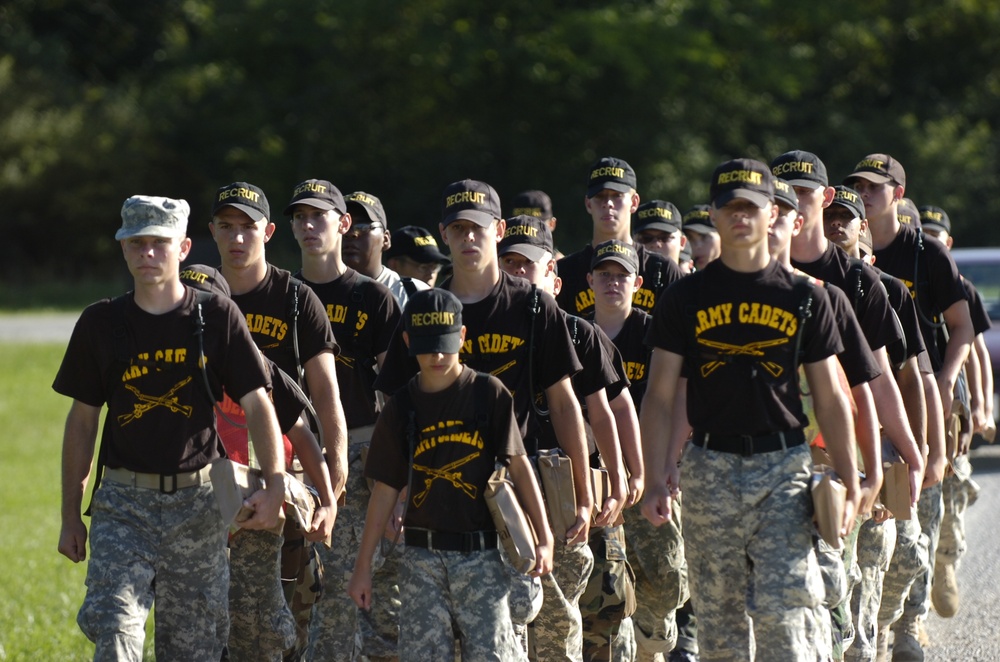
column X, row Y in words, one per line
column 702, row 237
column 532, row 354
column 932, row 277
column 453, row 579
column 363, row 315
column 657, row 227
column 739, row 330
column 611, row 200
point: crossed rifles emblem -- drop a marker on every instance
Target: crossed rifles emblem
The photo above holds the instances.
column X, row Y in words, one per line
column 749, row 349
column 147, row 402
column 448, row 473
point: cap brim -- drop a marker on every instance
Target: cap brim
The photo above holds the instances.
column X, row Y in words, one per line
column 444, row 343
column 530, row 251
column 149, row 231
column 873, row 177
column 805, row 183
column 849, row 208
column 700, row 227
column 755, row 197
column 629, row 267
column 778, row 200
column 312, row 202
column 937, row 227
column 657, row 225
column 621, row 187
column 255, row 214
column 480, row 218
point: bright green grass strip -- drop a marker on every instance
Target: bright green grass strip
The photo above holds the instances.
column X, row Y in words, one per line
column 40, row 590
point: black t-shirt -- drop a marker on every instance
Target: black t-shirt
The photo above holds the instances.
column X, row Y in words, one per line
column 576, row 297
column 453, row 460
column 906, row 312
column 631, row 343
column 160, row 418
column 856, row 359
column 737, row 333
column 866, row 297
column 269, row 311
column 363, row 315
column 939, row 286
column 498, row 335
column 601, row 369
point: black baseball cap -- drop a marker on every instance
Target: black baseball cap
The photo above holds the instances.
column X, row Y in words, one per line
column 907, row 212
column 317, row 193
column 248, row 198
column 470, row 200
column 698, row 219
column 880, row 169
column 368, row 205
column 610, row 173
column 205, row 278
column 934, row 218
column 533, row 203
column 784, row 193
column 657, row 215
column 433, row 322
column 528, row 236
column 746, row 179
column 800, row 168
column 616, row 251
column 847, row 197
column 416, row 243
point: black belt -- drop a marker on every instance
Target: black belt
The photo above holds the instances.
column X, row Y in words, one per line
column 473, row 541
column 747, row 445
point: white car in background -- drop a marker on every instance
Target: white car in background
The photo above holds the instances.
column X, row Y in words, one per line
column 981, row 266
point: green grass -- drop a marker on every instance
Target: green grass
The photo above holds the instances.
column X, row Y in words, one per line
column 40, row 590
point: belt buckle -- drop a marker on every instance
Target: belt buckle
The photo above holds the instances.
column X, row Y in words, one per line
column 747, row 445
column 429, row 539
column 469, row 541
column 163, row 487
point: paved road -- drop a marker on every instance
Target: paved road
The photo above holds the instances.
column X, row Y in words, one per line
column 971, row 636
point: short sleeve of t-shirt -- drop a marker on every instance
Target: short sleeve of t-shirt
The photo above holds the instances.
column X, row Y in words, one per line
column 856, row 359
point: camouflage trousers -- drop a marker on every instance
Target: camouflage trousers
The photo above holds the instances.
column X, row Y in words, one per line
column 449, row 595
column 929, row 511
column 146, row 547
column 609, row 597
column 303, row 582
column 873, row 549
column 656, row 554
column 557, row 631
column 834, row 567
column 339, row 631
column 909, row 556
column 748, row 536
column 958, row 492
column 261, row 624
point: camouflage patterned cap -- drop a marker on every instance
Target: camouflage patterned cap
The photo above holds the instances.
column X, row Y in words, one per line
column 153, row 216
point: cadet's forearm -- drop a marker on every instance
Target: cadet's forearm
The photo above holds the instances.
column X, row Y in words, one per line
column 911, row 388
column 892, row 414
column 324, row 391
column 568, row 423
column 266, row 436
column 380, row 506
column 79, row 439
column 866, row 433
column 311, row 457
column 606, row 437
column 627, row 422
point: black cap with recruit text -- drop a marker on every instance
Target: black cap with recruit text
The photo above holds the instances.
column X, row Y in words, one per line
column 248, row 198
column 800, row 168
column 657, row 215
column 698, row 219
column 907, row 212
column 205, row 278
column 610, row 173
column 528, row 236
column 880, row 169
column 317, row 193
column 470, row 200
column 785, row 194
column 746, row 179
column 433, row 322
column 934, row 218
column 615, row 251
column 416, row 243
column 847, row 197
column 365, row 206
column 533, row 203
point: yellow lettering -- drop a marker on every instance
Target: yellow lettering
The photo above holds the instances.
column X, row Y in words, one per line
column 585, row 300
column 746, row 176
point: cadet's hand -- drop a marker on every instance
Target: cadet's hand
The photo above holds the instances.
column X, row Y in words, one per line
column 580, row 531
column 915, row 475
column 636, row 486
column 850, row 511
column 979, row 419
column 869, row 492
column 360, row 587
column 73, row 540
column 880, row 514
column 543, row 560
column 989, row 430
column 322, row 523
column 656, row 505
column 934, row 471
column 265, row 505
